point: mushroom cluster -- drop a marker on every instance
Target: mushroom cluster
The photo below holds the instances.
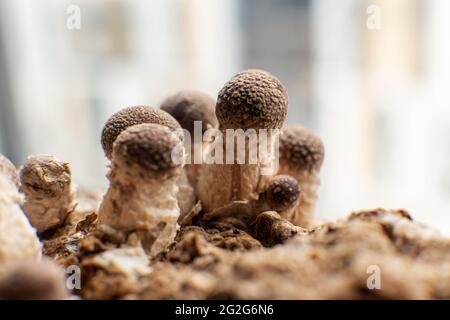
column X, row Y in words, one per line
column 164, row 176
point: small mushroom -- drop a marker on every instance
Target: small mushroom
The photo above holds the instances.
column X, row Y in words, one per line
column 282, row 195
column 6, row 167
column 301, row 154
column 146, row 165
column 132, row 116
column 46, row 183
column 33, row 280
column 252, row 100
column 18, row 239
column 189, row 107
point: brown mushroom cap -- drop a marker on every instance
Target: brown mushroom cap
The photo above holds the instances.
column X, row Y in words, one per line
column 131, row 116
column 33, row 280
column 188, row 106
column 282, row 192
column 252, row 99
column 45, row 175
column 148, row 147
column 6, row 167
column 301, row 149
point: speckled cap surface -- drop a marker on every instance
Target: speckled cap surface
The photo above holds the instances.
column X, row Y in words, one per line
column 301, row 149
column 188, row 106
column 282, row 192
column 131, row 116
column 252, row 99
column 149, row 147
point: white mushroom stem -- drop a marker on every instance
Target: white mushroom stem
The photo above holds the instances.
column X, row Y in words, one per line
column 220, row 184
column 141, row 204
column 18, row 239
column 49, row 195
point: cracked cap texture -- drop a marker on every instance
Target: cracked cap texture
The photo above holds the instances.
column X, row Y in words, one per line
column 188, row 106
column 301, row 149
column 149, row 147
column 45, row 175
column 252, row 99
column 131, row 116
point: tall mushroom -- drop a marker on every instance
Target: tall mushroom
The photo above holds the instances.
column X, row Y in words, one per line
column 136, row 115
column 301, row 154
column 251, row 101
column 146, row 165
column 46, row 183
column 192, row 109
column 18, row 239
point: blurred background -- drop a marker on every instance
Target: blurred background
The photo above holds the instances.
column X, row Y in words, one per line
column 371, row 77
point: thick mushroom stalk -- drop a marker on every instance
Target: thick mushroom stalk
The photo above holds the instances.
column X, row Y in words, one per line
column 195, row 111
column 146, row 165
column 47, row 184
column 282, row 195
column 18, row 239
column 250, row 107
column 301, row 155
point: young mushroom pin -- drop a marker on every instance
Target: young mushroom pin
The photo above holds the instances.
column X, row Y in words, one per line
column 301, row 154
column 253, row 103
column 146, row 165
column 46, row 183
column 282, row 194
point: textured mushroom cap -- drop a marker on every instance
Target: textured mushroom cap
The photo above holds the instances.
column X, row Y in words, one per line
column 188, row 106
column 300, row 149
column 6, row 167
column 45, row 175
column 148, row 147
column 131, row 116
column 33, row 280
column 252, row 99
column 282, row 192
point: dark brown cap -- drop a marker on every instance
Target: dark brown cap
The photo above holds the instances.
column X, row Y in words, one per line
column 131, row 116
column 252, row 99
column 149, row 147
column 33, row 280
column 188, row 106
column 6, row 167
column 45, row 175
column 282, row 193
column 301, row 149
